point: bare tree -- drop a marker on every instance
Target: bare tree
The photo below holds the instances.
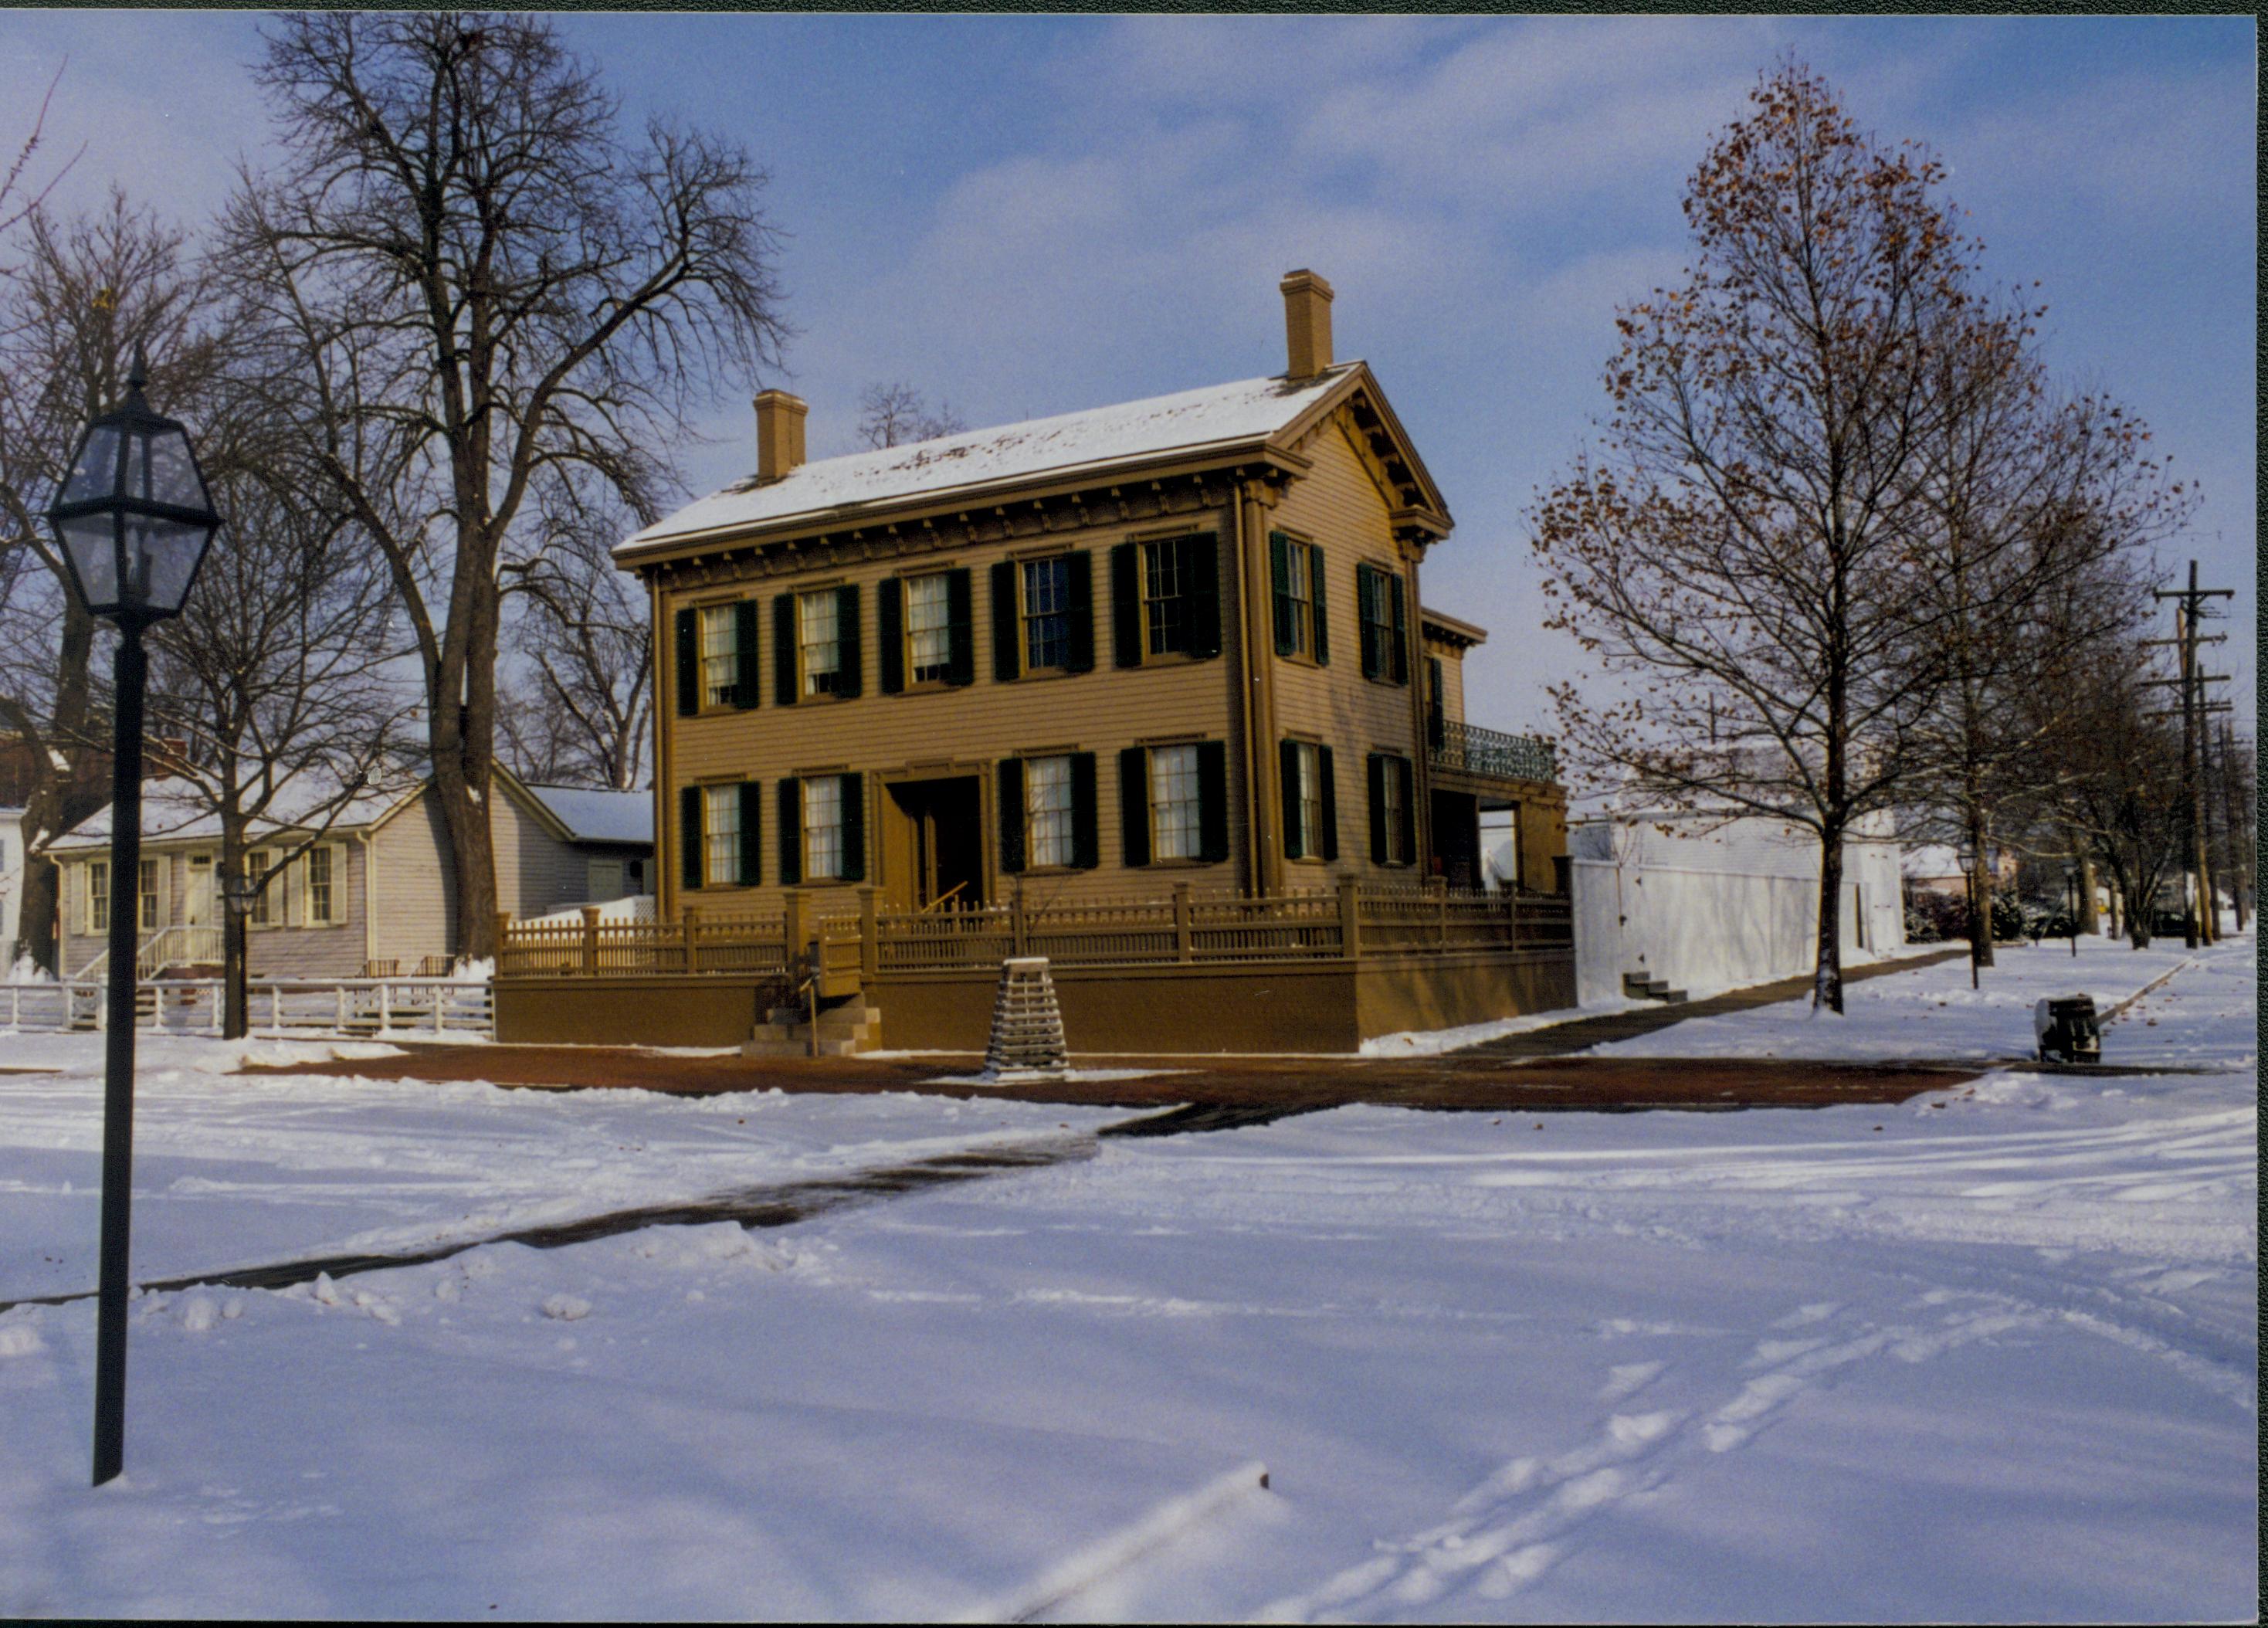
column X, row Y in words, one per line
column 584, row 634
column 1743, row 554
column 85, row 293
column 893, row 415
column 2122, row 796
column 280, row 678
column 476, row 286
column 2039, row 522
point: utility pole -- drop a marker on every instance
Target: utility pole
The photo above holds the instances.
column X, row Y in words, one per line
column 2201, row 917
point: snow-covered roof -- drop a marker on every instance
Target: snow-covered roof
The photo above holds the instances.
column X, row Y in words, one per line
column 1249, row 410
column 600, row 816
column 173, row 809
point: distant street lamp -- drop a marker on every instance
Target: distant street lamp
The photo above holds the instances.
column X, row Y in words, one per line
column 1966, row 856
column 134, row 520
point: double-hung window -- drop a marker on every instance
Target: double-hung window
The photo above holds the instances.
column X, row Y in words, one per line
column 1177, row 804
column 720, row 835
column 1297, row 568
column 1045, row 612
column 263, row 903
column 928, row 631
column 147, row 897
column 323, row 887
column 720, row 655
column 1393, row 787
column 822, row 828
column 1310, row 803
column 1383, row 601
column 1304, row 800
column 1048, row 811
column 98, row 895
column 1166, row 571
column 819, row 642
column 1165, row 599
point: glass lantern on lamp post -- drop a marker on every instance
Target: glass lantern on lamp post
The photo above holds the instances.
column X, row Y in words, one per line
column 134, row 520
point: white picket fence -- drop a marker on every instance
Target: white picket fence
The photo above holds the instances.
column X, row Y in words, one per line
column 360, row 1008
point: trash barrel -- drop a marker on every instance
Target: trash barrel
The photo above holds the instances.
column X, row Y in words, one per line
column 2068, row 1030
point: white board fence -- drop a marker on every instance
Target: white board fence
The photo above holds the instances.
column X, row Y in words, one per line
column 357, row 1007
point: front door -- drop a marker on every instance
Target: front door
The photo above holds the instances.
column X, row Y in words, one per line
column 197, row 905
column 933, row 844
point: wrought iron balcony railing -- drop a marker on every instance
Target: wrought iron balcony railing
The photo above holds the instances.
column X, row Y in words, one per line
column 1488, row 752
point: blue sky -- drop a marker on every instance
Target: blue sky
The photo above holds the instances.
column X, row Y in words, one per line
column 1027, row 216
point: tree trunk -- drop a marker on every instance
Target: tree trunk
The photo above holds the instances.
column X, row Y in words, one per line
column 1980, row 884
column 2089, row 922
column 235, row 950
column 1827, row 982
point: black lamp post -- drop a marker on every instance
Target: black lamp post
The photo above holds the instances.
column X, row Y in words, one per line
column 134, row 520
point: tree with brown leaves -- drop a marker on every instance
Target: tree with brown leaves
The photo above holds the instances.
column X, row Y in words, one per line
column 1742, row 553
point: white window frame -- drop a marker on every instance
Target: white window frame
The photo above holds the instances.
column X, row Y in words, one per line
column 266, row 910
column 822, row 837
column 720, row 835
column 98, row 920
column 149, row 895
column 334, row 913
column 1049, row 841
column 1177, row 804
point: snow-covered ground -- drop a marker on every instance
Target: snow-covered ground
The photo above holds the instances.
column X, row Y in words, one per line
column 1990, row 1354
column 1931, row 1012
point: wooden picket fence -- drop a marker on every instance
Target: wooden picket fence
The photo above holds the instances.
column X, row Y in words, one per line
column 1184, row 927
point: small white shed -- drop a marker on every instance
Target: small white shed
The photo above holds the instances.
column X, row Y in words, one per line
column 1704, row 901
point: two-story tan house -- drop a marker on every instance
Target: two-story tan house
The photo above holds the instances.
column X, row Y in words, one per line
column 1089, row 659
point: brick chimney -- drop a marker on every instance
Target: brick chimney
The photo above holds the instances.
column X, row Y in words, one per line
column 1306, row 323
column 779, row 435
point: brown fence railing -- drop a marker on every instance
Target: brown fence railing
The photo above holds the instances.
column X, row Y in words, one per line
column 1184, row 928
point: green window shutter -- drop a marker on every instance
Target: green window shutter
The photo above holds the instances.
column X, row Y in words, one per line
column 1287, row 762
column 752, row 833
column 1085, row 839
column 1408, row 776
column 1205, row 595
column 851, row 679
column 784, row 649
column 1080, row 568
column 1330, row 788
column 790, row 832
column 854, row 827
column 1279, row 573
column 689, row 836
column 890, row 630
column 1366, row 616
column 1437, row 723
column 1134, row 805
column 1012, row 815
column 1126, row 605
column 1322, row 624
column 1377, row 766
column 1005, row 667
column 747, row 682
column 961, row 633
column 1212, row 800
column 1399, row 609
column 688, row 662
